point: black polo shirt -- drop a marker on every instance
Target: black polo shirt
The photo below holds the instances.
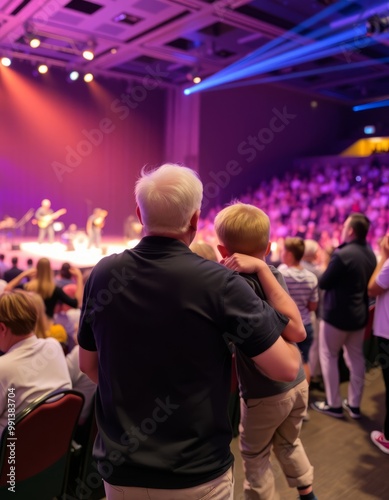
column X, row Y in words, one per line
column 162, row 319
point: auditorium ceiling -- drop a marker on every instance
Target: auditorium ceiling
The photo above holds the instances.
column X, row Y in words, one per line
column 179, row 39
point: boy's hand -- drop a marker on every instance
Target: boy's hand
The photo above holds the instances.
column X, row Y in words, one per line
column 243, row 263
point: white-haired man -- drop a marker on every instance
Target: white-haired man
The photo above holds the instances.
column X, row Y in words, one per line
column 155, row 328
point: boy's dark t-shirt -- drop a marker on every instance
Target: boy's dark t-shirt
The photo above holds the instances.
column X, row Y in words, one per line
column 252, row 383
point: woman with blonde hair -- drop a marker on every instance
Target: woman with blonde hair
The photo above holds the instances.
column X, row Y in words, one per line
column 42, row 282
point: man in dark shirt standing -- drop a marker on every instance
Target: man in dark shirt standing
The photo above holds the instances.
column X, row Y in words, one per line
column 155, row 328
column 345, row 317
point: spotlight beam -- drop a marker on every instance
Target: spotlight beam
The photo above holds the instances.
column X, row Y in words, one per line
column 302, row 74
column 289, row 38
column 372, row 105
column 333, row 45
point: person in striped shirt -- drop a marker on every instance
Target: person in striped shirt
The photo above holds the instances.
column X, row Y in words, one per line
column 303, row 288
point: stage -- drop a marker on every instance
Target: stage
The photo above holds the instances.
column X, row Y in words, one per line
column 79, row 256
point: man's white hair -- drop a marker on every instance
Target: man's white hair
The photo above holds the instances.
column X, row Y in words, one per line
column 168, row 197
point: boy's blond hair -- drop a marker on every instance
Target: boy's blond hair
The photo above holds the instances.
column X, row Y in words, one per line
column 243, row 228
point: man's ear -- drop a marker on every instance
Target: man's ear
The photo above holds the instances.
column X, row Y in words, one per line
column 194, row 220
column 139, row 215
column 223, row 251
column 268, row 249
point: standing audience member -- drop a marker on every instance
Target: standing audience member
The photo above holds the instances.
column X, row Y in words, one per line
column 205, row 250
column 303, row 288
column 13, row 271
column 158, row 350
column 271, row 412
column 31, row 366
column 43, row 283
column 312, row 262
column 345, row 316
column 3, row 265
column 379, row 287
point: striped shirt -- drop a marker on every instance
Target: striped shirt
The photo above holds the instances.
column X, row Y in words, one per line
column 303, row 288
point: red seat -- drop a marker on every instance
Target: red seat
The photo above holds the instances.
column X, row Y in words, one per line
column 39, row 449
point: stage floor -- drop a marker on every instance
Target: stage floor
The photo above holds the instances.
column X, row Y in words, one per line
column 58, row 253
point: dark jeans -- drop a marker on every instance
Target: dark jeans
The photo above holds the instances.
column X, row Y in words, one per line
column 305, row 345
column 383, row 358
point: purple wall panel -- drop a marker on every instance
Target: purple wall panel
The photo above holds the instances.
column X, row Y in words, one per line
column 251, row 133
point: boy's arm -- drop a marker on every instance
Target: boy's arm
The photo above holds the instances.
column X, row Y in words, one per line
column 276, row 296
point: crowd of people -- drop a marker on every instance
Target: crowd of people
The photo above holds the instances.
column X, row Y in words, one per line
column 159, row 326
column 313, row 201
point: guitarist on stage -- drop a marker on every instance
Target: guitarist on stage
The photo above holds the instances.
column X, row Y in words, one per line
column 44, row 218
column 94, row 225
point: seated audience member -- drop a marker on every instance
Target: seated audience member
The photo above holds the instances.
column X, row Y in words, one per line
column 13, row 271
column 64, row 277
column 379, row 287
column 303, row 288
column 43, row 283
column 31, row 366
column 271, row 412
column 68, row 317
column 81, row 382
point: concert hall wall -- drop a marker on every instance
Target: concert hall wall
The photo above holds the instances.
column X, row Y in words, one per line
column 75, row 144
column 260, row 131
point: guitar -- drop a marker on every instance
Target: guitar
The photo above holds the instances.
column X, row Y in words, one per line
column 100, row 220
column 45, row 221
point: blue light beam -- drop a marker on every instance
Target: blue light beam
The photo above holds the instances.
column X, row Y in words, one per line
column 296, row 56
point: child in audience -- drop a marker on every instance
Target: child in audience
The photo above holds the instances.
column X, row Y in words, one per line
column 303, row 288
column 271, row 412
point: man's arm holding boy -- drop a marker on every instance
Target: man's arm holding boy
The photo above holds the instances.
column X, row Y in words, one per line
column 276, row 296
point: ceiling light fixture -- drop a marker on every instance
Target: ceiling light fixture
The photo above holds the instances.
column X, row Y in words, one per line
column 376, row 25
column 35, row 42
column 43, row 69
column 88, row 54
column 73, row 75
column 6, row 61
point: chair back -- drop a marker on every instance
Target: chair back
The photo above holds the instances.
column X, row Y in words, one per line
column 34, row 457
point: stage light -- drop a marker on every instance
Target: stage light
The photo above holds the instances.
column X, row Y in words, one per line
column 290, row 49
column 376, row 25
column 88, row 54
column 88, row 51
column 369, row 129
column 196, row 79
column 43, row 69
column 73, row 75
column 88, row 77
column 35, row 42
column 6, row 61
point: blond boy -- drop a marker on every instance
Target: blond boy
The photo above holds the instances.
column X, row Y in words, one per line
column 271, row 412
